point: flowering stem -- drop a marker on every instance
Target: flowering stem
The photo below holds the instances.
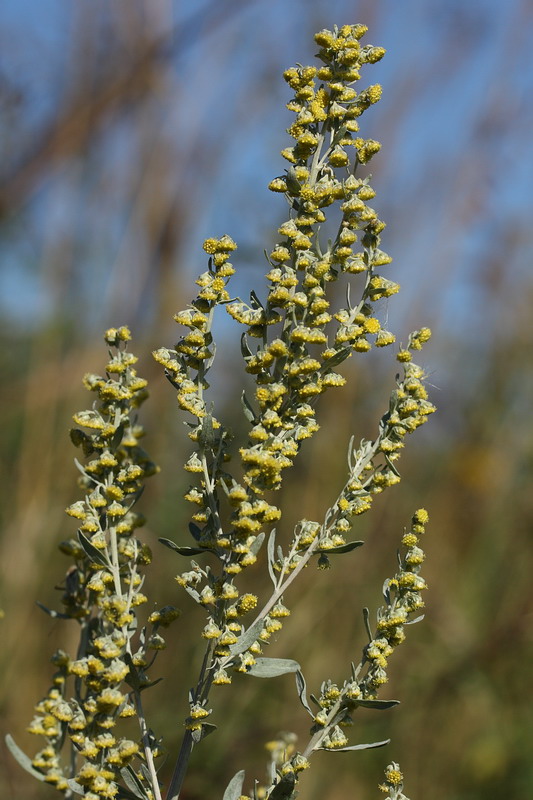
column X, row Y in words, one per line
column 146, row 745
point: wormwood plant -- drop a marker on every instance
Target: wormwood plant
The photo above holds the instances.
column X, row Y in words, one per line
column 96, row 739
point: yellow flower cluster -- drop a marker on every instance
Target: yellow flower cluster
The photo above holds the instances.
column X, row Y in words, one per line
column 403, row 596
column 297, row 366
column 102, row 588
column 393, row 783
column 300, row 341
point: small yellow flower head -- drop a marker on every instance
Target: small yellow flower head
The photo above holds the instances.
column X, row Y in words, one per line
column 393, row 774
column 403, row 356
column 223, row 245
column 278, row 185
column 421, row 517
column 374, row 54
column 384, row 338
column 221, row 677
column 247, row 602
column 115, row 335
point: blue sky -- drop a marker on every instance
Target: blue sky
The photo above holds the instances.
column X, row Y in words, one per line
column 453, row 180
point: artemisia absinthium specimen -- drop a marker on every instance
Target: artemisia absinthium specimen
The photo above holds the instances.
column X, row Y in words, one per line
column 94, row 691
column 293, row 343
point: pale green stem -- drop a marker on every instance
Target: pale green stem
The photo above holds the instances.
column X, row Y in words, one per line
column 146, row 745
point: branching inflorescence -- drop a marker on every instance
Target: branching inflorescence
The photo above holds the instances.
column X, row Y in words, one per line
column 293, row 343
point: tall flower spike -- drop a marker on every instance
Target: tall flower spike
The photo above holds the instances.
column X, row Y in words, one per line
column 294, row 365
column 102, row 590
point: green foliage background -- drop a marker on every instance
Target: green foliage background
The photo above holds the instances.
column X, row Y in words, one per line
column 465, row 724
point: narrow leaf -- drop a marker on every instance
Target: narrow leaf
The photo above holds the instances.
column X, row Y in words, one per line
column 195, row 531
column 355, row 747
column 93, row 553
column 255, row 301
column 206, row 437
column 136, row 789
column 257, row 543
column 247, row 638
column 249, row 413
column 414, row 621
column 52, row 613
column 284, row 789
column 149, row 685
column 301, row 689
column 366, row 617
column 184, row 550
column 22, row 758
column 245, row 350
column 338, row 358
column 133, row 783
column 271, row 556
column 203, row 731
column 341, row 548
column 272, row 667
column 392, row 466
column 117, row 436
column 132, row 678
column 234, row 787
column 382, row 705
column 75, row 787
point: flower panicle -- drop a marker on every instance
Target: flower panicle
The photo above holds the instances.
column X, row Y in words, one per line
column 403, row 598
column 392, row 786
column 102, row 590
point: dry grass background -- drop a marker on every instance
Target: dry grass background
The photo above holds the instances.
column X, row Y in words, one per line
column 142, row 149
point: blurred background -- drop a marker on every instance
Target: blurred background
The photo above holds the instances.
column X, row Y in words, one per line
column 130, row 132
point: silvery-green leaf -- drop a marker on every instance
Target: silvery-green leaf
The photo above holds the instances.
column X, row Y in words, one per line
column 256, row 544
column 145, row 771
column 392, row 466
column 205, row 729
column 133, row 783
column 338, row 358
column 249, row 413
column 356, row 747
column 22, row 758
column 366, row 617
column 234, row 787
column 255, row 301
column 382, row 705
column 92, row 552
column 414, row 621
column 117, row 436
column 272, row 667
column 301, row 687
column 247, row 638
column 184, row 550
column 245, row 350
column 206, row 436
column 74, row 786
column 341, row 548
column 271, row 556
